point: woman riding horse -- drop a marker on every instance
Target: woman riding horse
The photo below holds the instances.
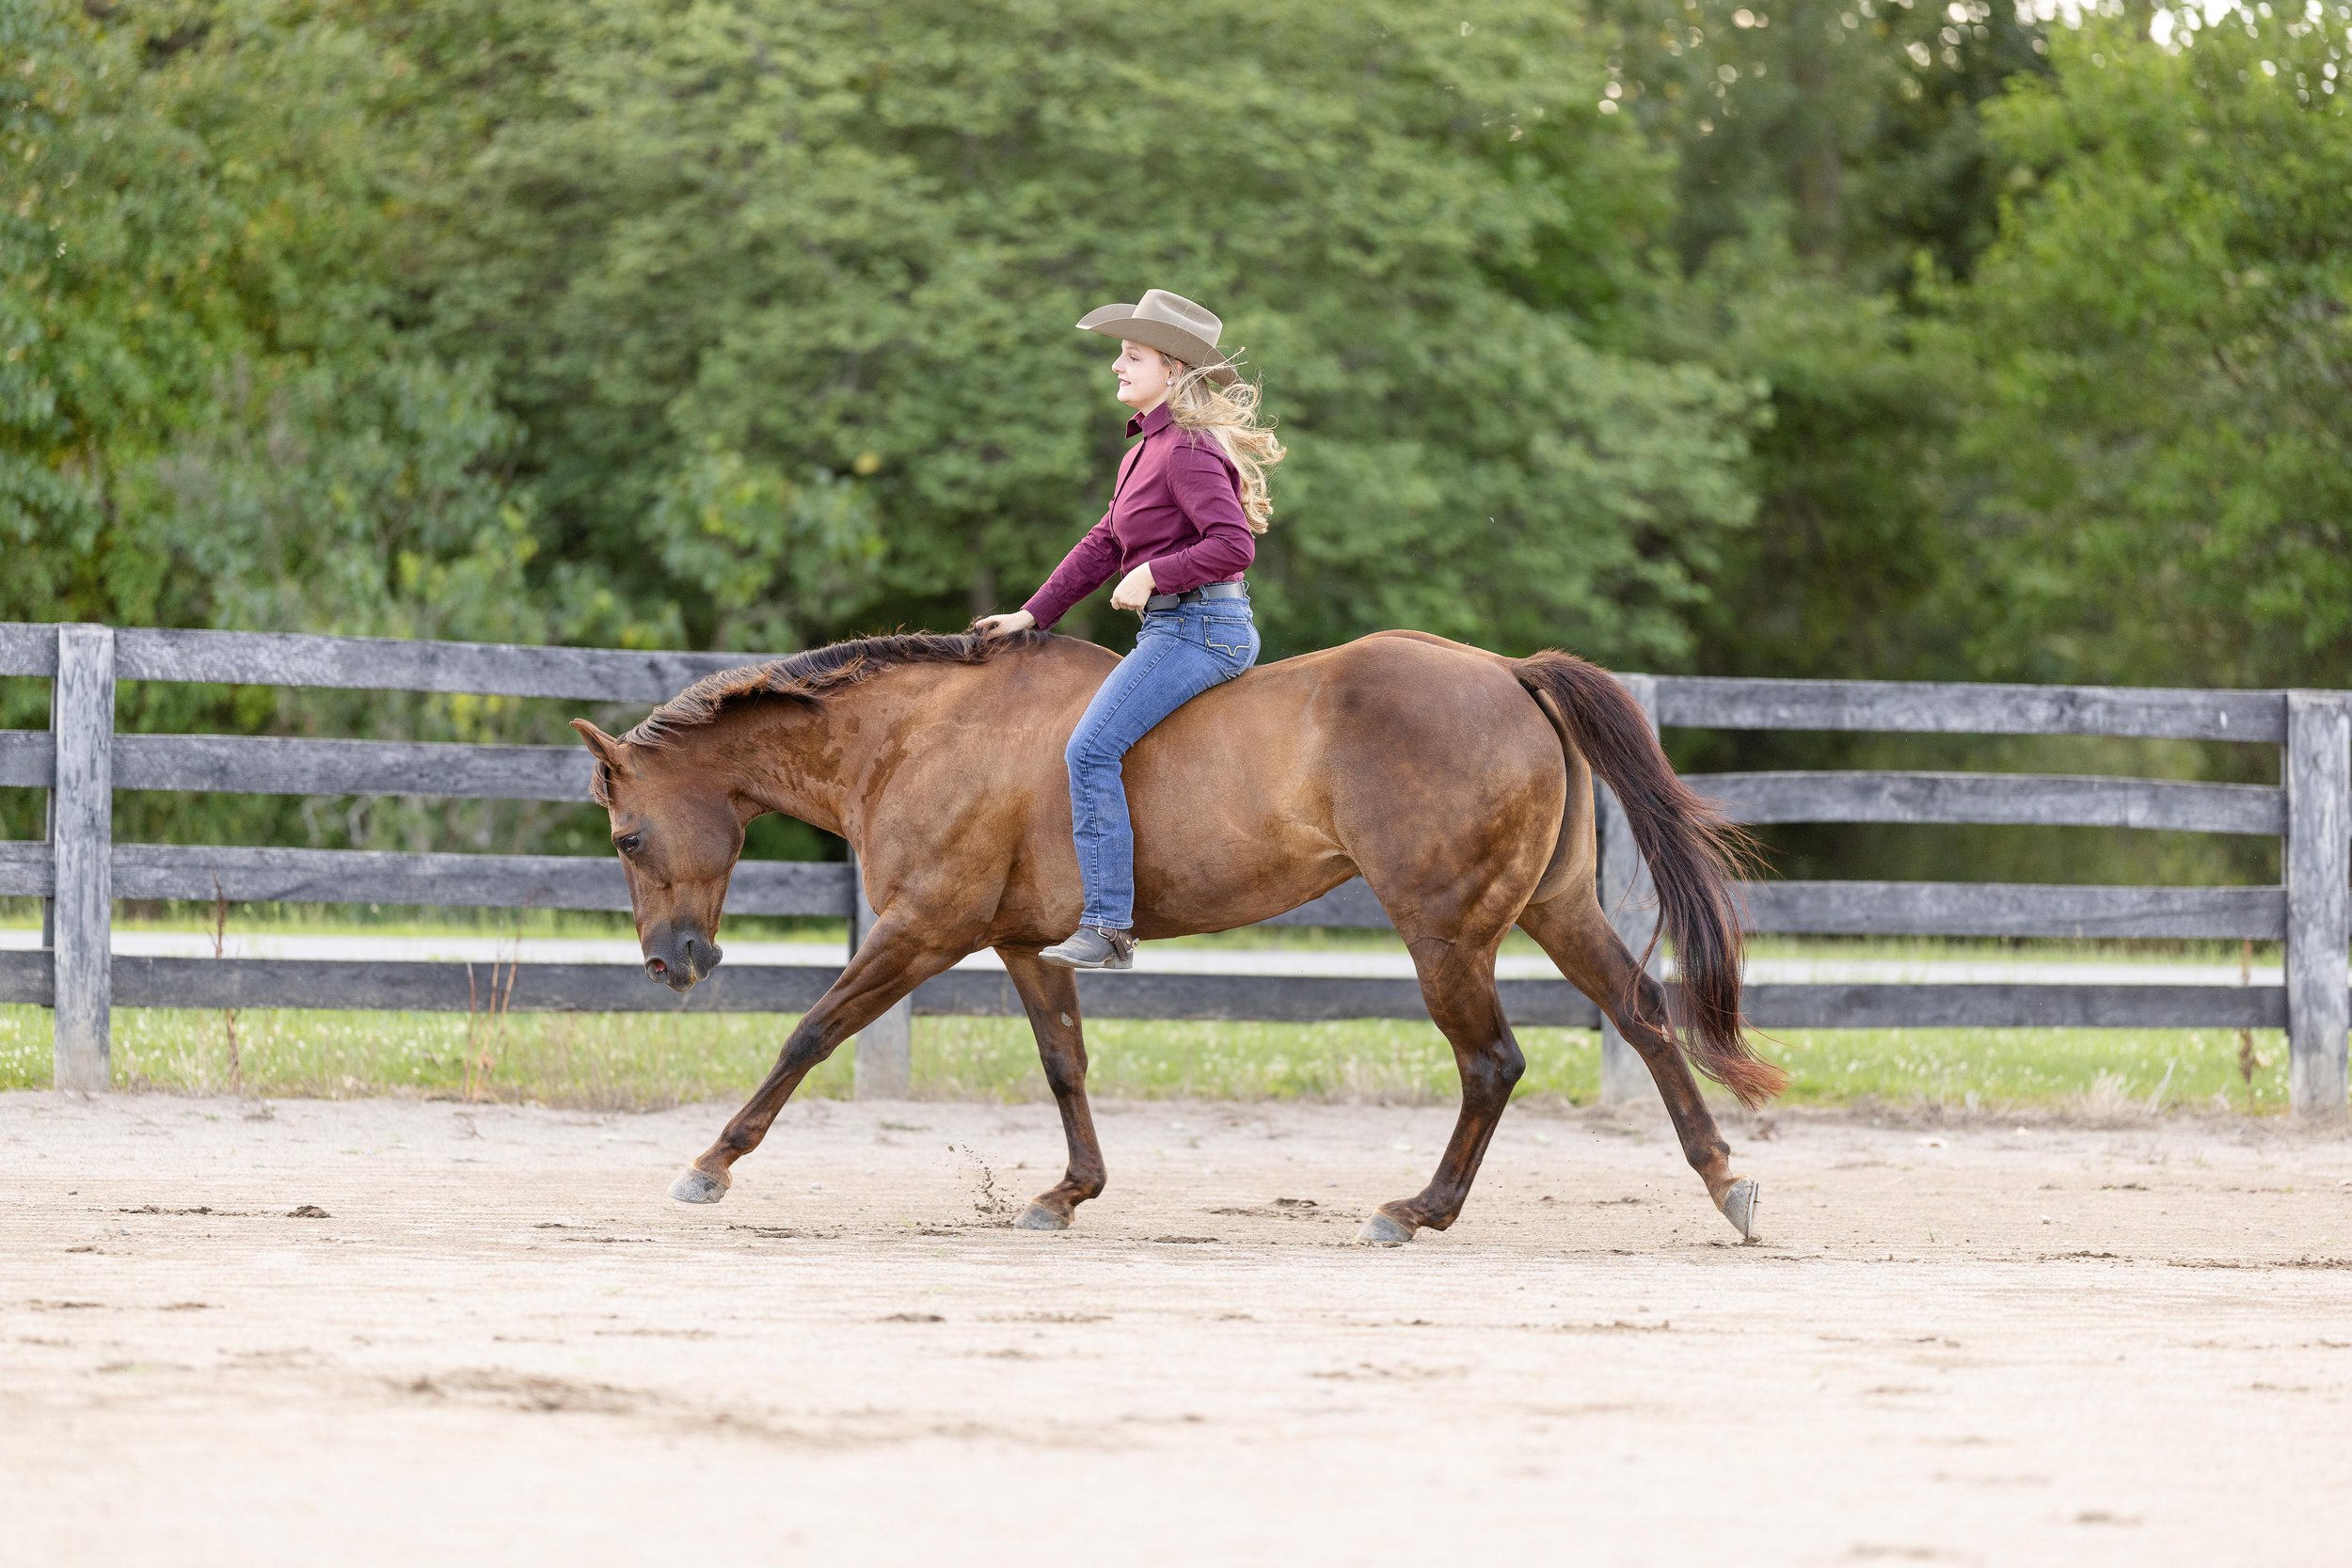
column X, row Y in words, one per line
column 1191, row 497
column 1456, row 782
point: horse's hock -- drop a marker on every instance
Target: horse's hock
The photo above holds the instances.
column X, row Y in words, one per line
column 79, row 871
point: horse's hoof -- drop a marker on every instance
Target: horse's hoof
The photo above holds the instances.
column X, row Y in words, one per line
column 1039, row 1217
column 1739, row 1207
column 1383, row 1230
column 696, row 1186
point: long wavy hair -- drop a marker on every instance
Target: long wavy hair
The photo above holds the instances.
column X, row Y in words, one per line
column 1230, row 416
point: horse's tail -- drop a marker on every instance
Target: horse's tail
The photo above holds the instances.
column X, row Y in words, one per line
column 1696, row 854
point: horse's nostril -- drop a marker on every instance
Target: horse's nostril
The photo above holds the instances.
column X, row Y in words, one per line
column 656, row 968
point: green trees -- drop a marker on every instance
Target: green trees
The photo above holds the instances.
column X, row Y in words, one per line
column 1829, row 160
column 2161, row 421
column 211, row 412
column 782, row 291
column 1831, row 337
column 207, row 412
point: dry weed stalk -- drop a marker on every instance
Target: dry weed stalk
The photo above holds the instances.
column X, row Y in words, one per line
column 484, row 1024
column 2247, row 1063
column 227, row 1015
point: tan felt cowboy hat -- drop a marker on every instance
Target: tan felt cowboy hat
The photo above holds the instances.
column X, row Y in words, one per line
column 1171, row 324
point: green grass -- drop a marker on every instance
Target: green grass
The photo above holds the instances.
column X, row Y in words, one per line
column 645, row 1060
column 2094, row 1071
column 632, row 1062
column 327, row 920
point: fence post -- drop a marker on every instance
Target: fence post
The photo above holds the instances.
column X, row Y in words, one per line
column 2319, row 899
column 1629, row 899
column 885, row 1048
column 82, row 726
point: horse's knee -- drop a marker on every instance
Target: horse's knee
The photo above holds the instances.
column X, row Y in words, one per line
column 802, row 1052
column 1065, row 1075
column 1494, row 1073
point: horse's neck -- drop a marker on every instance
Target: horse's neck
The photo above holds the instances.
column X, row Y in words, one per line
column 807, row 760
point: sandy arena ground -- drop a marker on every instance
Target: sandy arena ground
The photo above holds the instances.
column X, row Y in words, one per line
column 403, row 1333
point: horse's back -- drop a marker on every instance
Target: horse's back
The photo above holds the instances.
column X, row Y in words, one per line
column 1401, row 756
column 1394, row 700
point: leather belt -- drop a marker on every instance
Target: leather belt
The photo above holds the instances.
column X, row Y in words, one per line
column 1194, row 595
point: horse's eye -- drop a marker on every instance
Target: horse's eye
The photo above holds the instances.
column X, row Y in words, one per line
column 626, row 844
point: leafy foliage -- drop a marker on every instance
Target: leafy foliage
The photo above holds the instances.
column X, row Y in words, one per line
column 1825, row 337
column 832, row 255
column 208, row 413
column 2163, row 335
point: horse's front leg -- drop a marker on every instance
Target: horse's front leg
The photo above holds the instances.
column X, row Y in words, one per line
column 892, row 960
column 1050, row 996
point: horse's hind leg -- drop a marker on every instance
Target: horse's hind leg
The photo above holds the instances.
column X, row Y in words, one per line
column 1458, row 985
column 1572, row 930
column 1050, row 996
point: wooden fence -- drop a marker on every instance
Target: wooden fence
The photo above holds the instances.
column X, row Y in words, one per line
column 80, row 870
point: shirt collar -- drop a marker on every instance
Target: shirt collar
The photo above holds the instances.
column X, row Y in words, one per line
column 1152, row 423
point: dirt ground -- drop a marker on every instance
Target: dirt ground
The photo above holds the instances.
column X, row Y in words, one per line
column 399, row 1332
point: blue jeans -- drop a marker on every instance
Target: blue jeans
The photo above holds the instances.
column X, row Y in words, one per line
column 1179, row 654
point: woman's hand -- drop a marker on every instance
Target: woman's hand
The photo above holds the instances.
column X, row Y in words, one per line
column 1133, row 589
column 1004, row 626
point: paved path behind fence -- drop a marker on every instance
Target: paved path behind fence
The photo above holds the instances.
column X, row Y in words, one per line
column 1162, row 958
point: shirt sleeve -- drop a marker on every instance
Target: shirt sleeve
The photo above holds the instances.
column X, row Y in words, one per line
column 1209, row 493
column 1087, row 567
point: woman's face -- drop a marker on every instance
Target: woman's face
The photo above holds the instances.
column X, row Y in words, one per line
column 1144, row 375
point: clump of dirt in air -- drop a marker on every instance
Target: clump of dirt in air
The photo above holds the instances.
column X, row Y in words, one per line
column 986, row 1201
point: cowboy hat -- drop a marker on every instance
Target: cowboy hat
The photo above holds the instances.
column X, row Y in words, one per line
column 1171, row 324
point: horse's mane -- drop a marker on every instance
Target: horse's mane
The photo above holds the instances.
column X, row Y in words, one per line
column 808, row 677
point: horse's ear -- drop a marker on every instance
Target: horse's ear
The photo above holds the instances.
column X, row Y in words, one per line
column 609, row 750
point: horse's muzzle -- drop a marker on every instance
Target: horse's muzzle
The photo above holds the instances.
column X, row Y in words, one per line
column 690, row 961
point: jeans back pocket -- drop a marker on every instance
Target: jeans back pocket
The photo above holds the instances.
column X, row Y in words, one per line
column 1235, row 640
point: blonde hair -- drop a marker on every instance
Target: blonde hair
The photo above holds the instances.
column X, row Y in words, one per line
column 1228, row 414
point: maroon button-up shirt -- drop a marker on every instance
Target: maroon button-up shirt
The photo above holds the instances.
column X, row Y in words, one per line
column 1178, row 506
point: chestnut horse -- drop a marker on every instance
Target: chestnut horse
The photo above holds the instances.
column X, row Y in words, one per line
column 1456, row 782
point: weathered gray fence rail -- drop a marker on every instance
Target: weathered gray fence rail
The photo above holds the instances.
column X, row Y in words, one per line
column 80, row 870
